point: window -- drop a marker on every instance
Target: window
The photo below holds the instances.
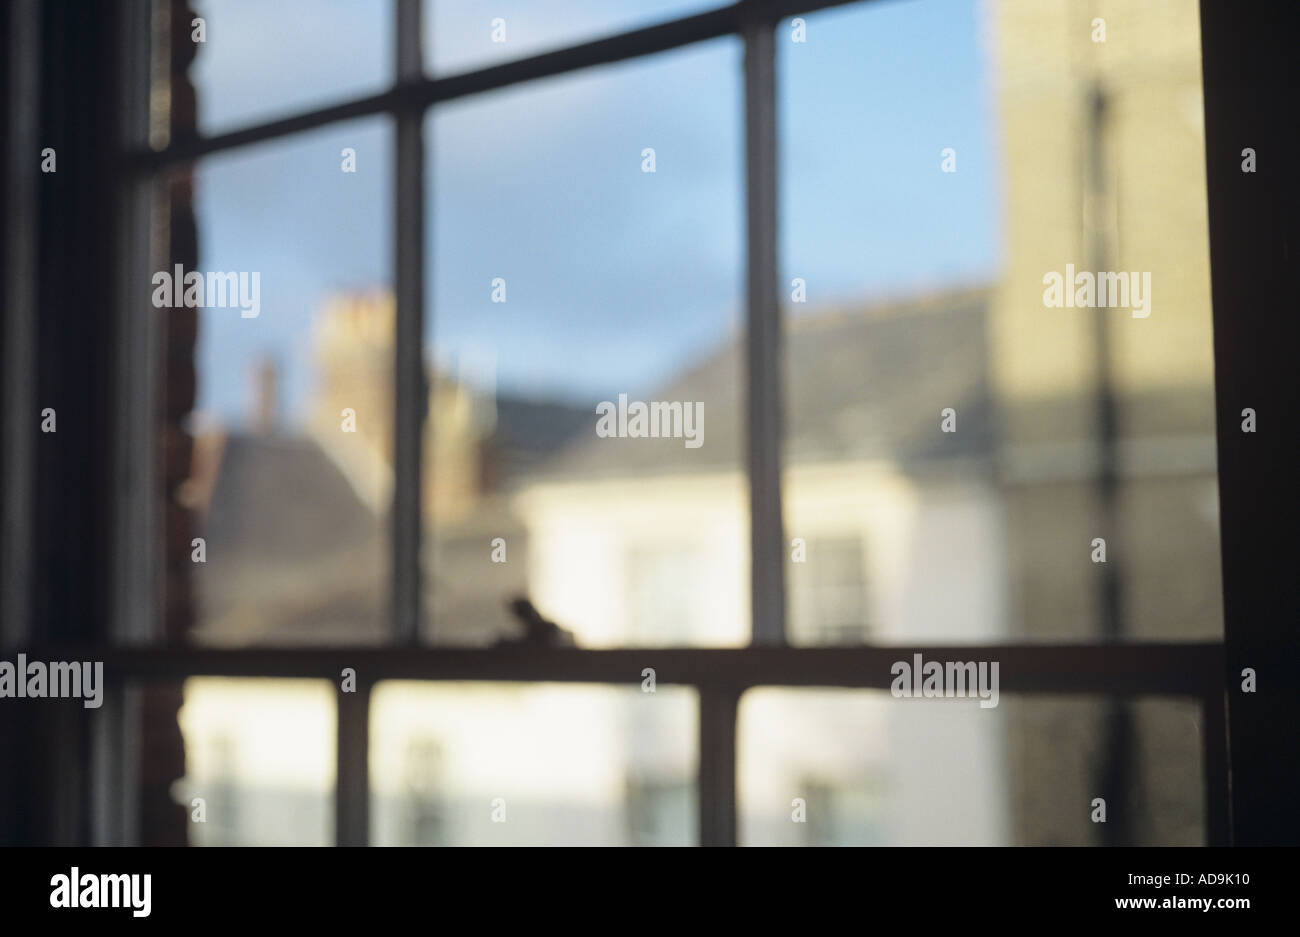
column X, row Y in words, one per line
column 292, row 481
column 260, row 761
column 756, row 281
column 828, row 597
column 531, row 764
column 564, row 277
column 662, row 589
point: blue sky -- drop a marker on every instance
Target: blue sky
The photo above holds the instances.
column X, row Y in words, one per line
column 616, row 279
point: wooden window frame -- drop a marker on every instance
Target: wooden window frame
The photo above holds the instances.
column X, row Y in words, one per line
column 1201, row 671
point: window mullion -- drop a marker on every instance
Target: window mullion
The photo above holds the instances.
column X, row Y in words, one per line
column 763, row 335
column 410, row 383
column 352, row 775
column 717, row 765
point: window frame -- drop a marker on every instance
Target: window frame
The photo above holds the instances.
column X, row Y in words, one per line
column 1193, row 670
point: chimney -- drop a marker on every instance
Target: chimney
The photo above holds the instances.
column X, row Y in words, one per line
column 261, row 419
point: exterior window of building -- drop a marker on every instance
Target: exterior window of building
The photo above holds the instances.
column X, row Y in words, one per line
column 828, row 593
column 662, row 595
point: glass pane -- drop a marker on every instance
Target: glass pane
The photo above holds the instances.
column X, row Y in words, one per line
column 586, row 268
column 258, row 61
column 944, row 420
column 464, row 35
column 291, row 473
column 260, row 762
column 859, row 767
column 501, row 764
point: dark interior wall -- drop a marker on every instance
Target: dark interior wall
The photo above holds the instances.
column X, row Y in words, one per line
column 75, row 322
column 45, row 799
column 1251, row 90
column 7, row 117
column 72, row 371
column 10, row 781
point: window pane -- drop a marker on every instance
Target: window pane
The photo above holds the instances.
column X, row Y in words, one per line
column 829, row 596
column 874, row 770
column 569, row 280
column 260, row 758
column 501, row 764
column 259, row 61
column 291, row 474
column 464, row 35
column 939, row 412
